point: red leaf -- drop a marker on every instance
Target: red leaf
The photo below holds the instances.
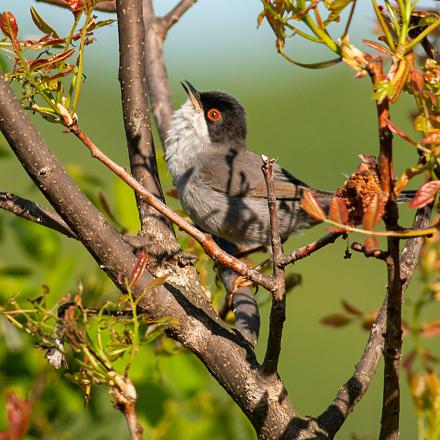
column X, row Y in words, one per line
column 399, row 132
column 335, row 320
column 18, row 417
column 373, row 213
column 350, row 308
column 377, row 46
column 431, row 328
column 8, row 25
column 50, row 62
column 45, row 42
column 312, row 206
column 338, row 211
column 425, row 194
column 417, row 80
column 75, row 5
column 139, row 269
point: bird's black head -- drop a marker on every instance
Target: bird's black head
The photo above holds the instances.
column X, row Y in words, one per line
column 224, row 116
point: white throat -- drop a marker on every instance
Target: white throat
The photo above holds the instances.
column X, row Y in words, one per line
column 187, row 138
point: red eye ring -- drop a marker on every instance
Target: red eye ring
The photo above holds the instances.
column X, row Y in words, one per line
column 214, row 115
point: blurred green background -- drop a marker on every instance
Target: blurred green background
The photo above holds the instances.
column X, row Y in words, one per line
column 315, row 122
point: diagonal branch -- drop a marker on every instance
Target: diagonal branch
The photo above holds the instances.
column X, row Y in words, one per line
column 278, row 309
column 31, row 211
column 205, row 240
column 137, row 121
column 305, row 251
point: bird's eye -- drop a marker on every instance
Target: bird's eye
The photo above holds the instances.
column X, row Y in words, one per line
column 214, row 115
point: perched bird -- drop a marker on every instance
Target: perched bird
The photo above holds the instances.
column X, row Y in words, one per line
column 219, row 181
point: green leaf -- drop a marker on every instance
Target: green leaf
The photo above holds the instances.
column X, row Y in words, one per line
column 102, row 23
column 335, row 7
column 42, row 24
column 15, row 271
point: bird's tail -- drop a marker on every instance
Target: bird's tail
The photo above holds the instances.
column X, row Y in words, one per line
column 406, row 196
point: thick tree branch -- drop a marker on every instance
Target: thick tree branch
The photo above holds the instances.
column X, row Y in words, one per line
column 31, row 211
column 48, row 218
column 137, row 122
column 278, row 309
column 155, row 68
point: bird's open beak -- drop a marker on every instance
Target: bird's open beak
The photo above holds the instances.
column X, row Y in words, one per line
column 193, row 95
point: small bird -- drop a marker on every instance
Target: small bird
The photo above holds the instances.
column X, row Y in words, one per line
column 219, row 181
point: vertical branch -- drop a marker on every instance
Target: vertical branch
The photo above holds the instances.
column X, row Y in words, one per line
column 156, row 228
column 135, row 108
column 393, row 330
column 278, row 310
column 156, row 29
column 125, row 397
column 156, row 70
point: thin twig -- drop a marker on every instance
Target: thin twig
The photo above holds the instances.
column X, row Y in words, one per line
column 375, row 253
column 105, row 6
column 205, row 240
column 124, row 393
column 278, row 309
column 350, row 18
column 31, row 211
column 308, row 249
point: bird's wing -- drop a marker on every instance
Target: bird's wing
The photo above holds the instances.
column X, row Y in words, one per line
column 240, row 175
